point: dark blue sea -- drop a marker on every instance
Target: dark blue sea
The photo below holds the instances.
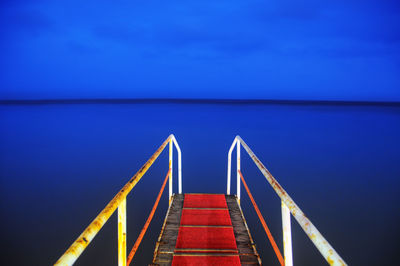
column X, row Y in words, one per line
column 60, row 164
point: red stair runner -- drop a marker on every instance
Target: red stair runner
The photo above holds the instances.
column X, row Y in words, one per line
column 205, row 234
column 204, row 201
column 205, row 217
column 205, row 260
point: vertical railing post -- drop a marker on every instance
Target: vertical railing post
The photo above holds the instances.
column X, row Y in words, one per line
column 179, row 164
column 228, row 177
column 170, row 168
column 237, row 170
column 122, row 233
column 179, row 173
column 287, row 235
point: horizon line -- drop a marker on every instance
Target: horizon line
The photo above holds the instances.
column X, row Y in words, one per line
column 194, row 101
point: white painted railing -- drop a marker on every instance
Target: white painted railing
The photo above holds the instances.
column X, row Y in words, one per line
column 288, row 206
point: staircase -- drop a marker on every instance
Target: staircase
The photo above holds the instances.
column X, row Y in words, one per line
column 205, row 229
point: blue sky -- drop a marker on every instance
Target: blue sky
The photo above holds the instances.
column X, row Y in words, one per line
column 317, row 50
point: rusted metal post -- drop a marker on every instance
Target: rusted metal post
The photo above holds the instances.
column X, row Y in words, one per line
column 238, row 170
column 122, row 233
column 147, row 223
column 327, row 251
column 228, row 181
column 170, row 168
column 287, row 235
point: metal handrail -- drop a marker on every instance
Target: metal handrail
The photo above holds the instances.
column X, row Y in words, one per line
column 288, row 206
column 119, row 201
column 264, row 224
column 148, row 221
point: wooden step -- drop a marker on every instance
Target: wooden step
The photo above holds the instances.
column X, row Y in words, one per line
column 205, row 229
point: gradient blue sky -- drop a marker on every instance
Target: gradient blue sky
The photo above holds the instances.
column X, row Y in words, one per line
column 329, row 50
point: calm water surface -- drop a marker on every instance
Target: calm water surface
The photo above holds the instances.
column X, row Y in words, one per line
column 61, row 164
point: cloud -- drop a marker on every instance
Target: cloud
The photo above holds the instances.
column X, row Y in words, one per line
column 194, row 38
column 80, row 48
column 267, row 11
column 16, row 22
column 118, row 34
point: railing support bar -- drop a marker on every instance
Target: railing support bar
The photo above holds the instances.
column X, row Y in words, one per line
column 287, row 235
column 238, row 170
column 179, row 164
column 170, row 169
column 75, row 250
column 147, row 223
column 327, row 251
column 122, row 233
column 228, row 181
column 264, row 224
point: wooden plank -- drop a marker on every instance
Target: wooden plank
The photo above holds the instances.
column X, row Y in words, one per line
column 165, row 245
column 246, row 247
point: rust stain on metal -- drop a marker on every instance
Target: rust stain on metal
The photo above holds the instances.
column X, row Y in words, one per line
column 146, row 225
column 264, row 224
column 316, row 237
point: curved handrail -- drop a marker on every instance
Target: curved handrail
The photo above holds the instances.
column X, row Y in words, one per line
column 119, row 201
column 327, row 251
column 228, row 188
column 179, row 163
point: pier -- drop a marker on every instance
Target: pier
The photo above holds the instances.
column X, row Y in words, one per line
column 204, row 229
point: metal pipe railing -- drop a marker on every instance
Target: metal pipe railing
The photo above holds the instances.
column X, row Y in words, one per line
column 179, row 164
column 228, row 188
column 119, row 201
column 147, row 223
column 122, row 233
column 287, row 234
column 327, row 251
column 262, row 220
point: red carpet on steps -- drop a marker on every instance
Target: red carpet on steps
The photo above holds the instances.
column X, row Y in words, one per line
column 205, row 235
column 205, row 217
column 204, row 201
column 209, row 238
column 206, row 260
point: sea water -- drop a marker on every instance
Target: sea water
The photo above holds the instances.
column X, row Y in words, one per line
column 60, row 164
